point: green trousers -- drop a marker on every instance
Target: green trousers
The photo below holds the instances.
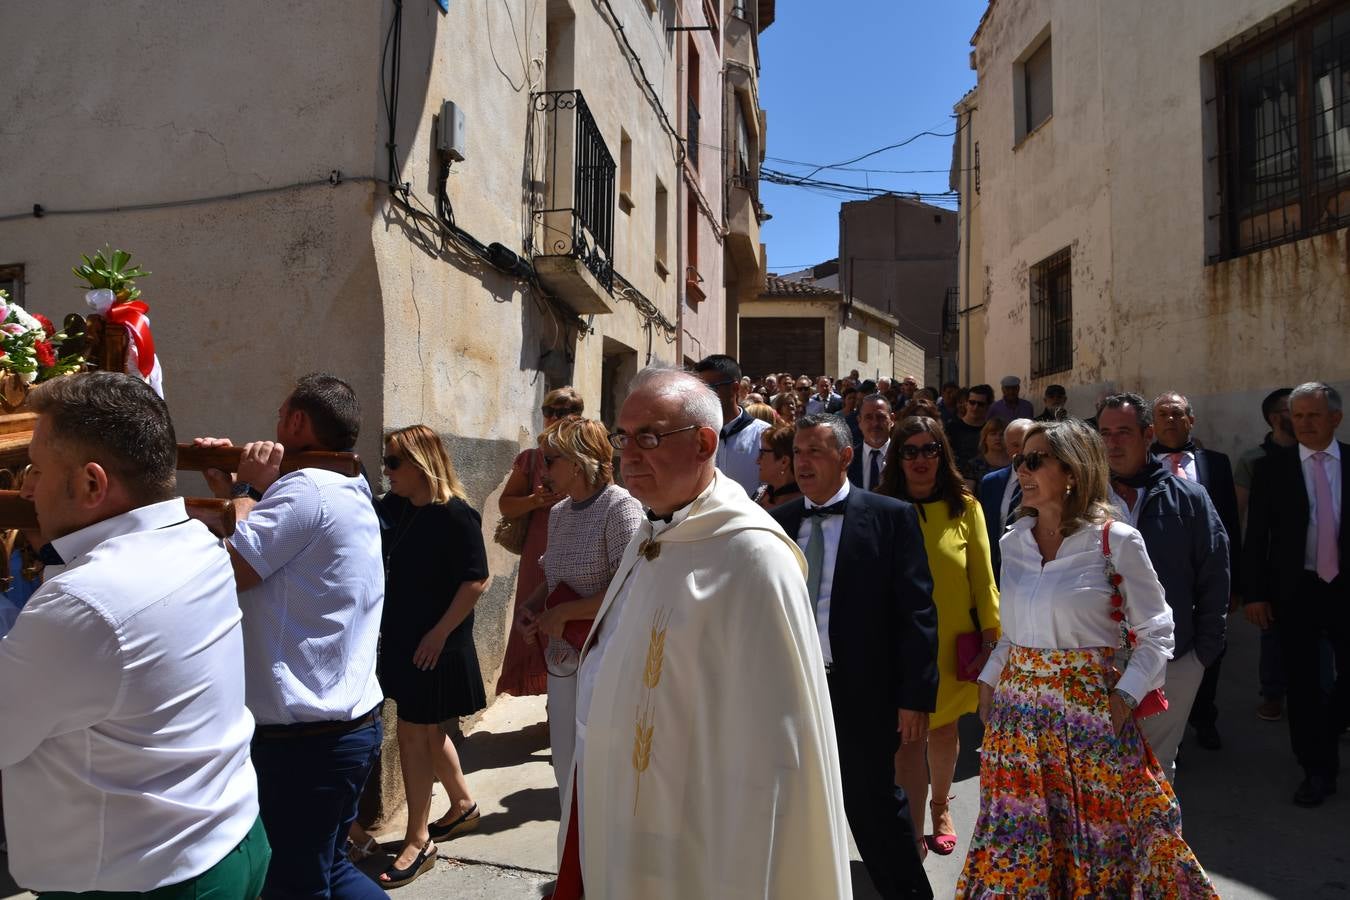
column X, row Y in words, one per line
column 239, row 876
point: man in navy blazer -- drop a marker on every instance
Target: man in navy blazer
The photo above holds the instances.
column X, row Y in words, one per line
column 1296, row 574
column 1173, row 421
column 872, row 591
column 999, row 492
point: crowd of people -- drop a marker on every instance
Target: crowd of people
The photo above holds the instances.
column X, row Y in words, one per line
column 758, row 611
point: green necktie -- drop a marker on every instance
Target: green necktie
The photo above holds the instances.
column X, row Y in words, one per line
column 815, row 560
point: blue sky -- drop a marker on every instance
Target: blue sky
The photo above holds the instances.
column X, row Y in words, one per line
column 841, row 78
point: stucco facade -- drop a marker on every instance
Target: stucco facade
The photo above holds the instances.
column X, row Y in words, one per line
column 250, row 108
column 1125, row 175
column 843, row 338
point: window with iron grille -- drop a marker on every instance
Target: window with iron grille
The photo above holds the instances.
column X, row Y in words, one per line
column 1052, row 314
column 1284, row 117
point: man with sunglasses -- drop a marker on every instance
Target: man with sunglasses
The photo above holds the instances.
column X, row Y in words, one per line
column 872, row 597
column 964, row 432
column 1189, row 549
column 738, row 439
column 706, row 754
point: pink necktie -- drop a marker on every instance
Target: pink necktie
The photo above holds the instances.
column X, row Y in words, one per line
column 1328, row 564
column 1177, row 468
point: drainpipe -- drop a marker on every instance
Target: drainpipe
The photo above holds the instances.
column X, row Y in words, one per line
column 681, row 228
column 965, row 325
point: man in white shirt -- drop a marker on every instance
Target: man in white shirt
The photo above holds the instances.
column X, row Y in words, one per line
column 125, row 743
column 738, row 439
column 306, row 554
column 875, row 420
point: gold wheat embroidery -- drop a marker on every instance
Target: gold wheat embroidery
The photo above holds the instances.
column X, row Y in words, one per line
column 644, row 727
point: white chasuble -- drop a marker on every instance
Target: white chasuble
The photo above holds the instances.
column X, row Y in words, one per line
column 709, row 766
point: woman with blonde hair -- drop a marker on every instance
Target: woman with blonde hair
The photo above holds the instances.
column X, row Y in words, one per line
column 436, row 569
column 764, row 412
column 1072, row 801
column 525, row 494
column 588, row 532
column 787, row 405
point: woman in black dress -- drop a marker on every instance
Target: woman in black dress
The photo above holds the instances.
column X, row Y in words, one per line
column 436, row 568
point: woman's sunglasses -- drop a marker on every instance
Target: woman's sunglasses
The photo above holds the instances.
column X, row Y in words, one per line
column 1032, row 461
column 928, row 451
column 393, row 462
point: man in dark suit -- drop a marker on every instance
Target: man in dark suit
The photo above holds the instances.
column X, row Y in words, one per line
column 868, row 579
column 875, row 419
column 1296, row 576
column 1173, row 420
column 1000, row 494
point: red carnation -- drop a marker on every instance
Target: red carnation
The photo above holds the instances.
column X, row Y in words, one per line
column 46, row 356
column 46, row 323
column 1115, row 578
column 1117, row 600
column 1117, row 615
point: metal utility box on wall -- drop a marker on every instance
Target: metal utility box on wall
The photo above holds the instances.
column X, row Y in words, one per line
column 450, row 131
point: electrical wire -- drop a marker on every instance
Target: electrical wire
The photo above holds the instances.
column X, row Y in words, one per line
column 906, row 142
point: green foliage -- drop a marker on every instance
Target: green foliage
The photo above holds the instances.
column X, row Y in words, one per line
column 108, row 269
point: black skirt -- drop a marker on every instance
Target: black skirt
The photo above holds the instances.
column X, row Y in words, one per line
column 453, row 688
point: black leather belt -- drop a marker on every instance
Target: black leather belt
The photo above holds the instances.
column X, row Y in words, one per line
column 312, row 729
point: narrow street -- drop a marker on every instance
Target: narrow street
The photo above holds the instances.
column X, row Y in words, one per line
column 1239, row 819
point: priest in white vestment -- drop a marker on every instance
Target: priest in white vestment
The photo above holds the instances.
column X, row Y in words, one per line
column 707, row 763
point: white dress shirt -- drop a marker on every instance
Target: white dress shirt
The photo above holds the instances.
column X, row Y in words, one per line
column 1128, row 513
column 125, row 742
column 831, row 529
column 867, row 451
column 738, row 450
column 1332, row 466
column 312, row 627
column 817, row 404
column 1066, row 604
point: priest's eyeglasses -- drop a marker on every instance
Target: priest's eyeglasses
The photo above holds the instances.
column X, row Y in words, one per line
column 645, row 439
column 931, row 450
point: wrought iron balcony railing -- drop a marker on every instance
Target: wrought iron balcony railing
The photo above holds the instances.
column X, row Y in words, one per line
column 574, row 214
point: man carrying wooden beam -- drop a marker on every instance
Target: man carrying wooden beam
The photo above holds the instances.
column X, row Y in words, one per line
column 306, row 553
column 122, row 681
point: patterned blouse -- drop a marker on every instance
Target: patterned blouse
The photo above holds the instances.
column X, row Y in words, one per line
column 586, row 540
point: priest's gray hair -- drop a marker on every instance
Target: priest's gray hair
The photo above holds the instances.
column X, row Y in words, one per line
column 838, row 427
column 1318, row 389
column 700, row 403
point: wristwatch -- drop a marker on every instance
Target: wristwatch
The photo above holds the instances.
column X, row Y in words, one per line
column 1129, row 701
column 990, row 645
column 244, row 489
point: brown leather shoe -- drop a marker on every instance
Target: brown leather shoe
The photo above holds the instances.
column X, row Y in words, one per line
column 1270, row 710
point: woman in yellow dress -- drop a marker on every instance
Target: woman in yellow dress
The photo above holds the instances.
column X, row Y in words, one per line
column 920, row 469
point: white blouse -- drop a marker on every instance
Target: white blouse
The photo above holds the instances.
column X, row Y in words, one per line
column 1066, row 603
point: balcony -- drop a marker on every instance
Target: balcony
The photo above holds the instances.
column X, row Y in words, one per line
column 572, row 239
column 743, row 245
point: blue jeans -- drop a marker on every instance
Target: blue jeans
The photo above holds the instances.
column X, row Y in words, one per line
column 308, row 788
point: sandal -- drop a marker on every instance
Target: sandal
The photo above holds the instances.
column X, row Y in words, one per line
column 943, row 844
column 465, row 821
column 358, row 852
column 394, row 877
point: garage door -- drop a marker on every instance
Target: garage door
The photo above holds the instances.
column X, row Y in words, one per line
column 782, row 344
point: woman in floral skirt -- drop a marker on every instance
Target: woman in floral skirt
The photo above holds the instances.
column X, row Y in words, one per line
column 1072, row 801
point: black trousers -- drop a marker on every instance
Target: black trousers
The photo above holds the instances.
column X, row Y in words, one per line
column 1316, row 719
column 877, row 809
column 1205, row 709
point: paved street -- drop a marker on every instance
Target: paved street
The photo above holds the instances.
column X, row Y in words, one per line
column 1248, row 835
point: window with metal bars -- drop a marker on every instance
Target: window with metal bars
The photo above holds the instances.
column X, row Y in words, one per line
column 1284, row 116
column 1052, row 314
